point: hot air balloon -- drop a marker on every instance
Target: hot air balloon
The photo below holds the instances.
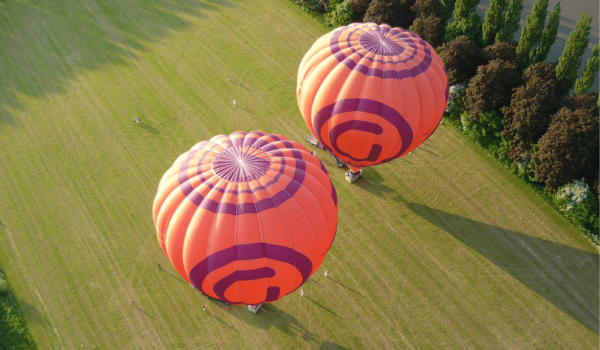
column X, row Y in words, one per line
column 371, row 93
column 246, row 218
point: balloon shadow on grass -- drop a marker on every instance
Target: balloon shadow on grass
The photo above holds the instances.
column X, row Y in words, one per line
column 270, row 316
column 566, row 277
column 372, row 182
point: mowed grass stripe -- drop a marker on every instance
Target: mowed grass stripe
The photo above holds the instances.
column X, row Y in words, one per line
column 440, row 249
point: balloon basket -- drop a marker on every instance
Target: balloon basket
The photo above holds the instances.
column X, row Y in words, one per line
column 313, row 141
column 254, row 308
column 353, row 176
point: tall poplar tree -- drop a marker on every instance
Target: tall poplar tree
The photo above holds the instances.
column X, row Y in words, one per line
column 589, row 74
column 569, row 62
column 494, row 20
column 531, row 35
column 511, row 21
column 540, row 53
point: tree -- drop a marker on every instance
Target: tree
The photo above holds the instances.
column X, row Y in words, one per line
column 504, row 51
column 528, row 116
column 466, row 22
column 569, row 149
column 589, row 74
column 396, row 13
column 461, row 59
column 360, row 8
column 447, row 10
column 490, row 88
column 511, row 21
column 540, row 53
column 424, row 8
column 531, row 35
column 341, row 14
column 429, row 28
column 494, row 20
column 569, row 62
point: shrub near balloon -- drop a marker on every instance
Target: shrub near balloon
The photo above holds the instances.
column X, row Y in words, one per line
column 371, row 93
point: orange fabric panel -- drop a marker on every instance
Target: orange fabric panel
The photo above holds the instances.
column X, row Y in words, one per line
column 246, row 218
column 365, row 68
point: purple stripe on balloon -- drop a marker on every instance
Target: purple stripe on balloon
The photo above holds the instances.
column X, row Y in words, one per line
column 250, row 141
column 244, row 252
column 361, row 105
column 260, row 143
column 246, row 275
column 227, row 208
column 272, row 294
column 263, row 204
column 334, row 194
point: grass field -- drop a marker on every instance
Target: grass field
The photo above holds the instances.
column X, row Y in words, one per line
column 441, row 249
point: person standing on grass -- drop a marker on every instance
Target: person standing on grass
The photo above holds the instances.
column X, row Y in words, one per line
column 233, row 103
column 301, row 292
column 326, row 273
column 204, row 307
column 130, row 302
column 227, row 77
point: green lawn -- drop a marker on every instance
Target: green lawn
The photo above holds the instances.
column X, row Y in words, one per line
column 441, row 249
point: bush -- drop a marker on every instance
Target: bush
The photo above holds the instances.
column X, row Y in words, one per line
column 3, row 286
column 486, row 131
column 360, row 8
column 320, row 6
column 569, row 149
column 455, row 106
column 461, row 59
column 501, row 50
column 341, row 15
column 429, row 28
column 396, row 13
column 490, row 89
column 528, row 116
column 578, row 204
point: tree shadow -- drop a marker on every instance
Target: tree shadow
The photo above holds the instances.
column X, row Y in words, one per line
column 565, row 276
column 30, row 313
column 327, row 345
column 46, row 45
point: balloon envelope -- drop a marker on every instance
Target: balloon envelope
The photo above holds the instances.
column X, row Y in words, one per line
column 246, row 218
column 371, row 93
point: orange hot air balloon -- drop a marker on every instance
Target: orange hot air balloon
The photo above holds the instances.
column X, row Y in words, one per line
column 371, row 93
column 246, row 218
